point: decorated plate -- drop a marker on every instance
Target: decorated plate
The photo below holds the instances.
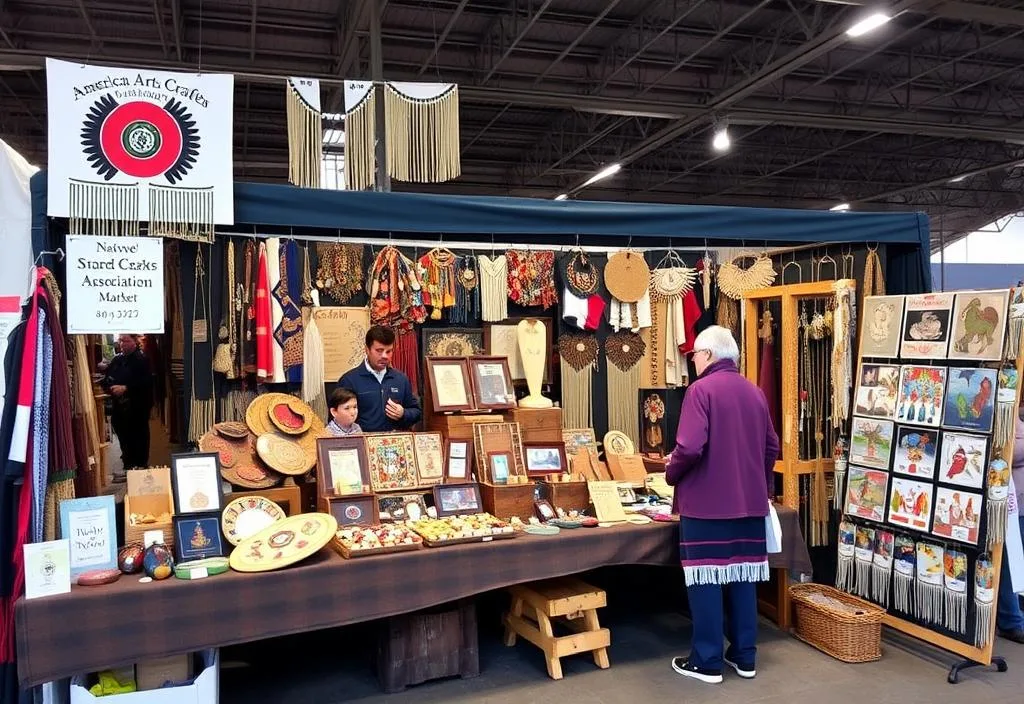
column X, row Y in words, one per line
column 617, row 443
column 248, row 515
column 284, row 543
column 292, row 417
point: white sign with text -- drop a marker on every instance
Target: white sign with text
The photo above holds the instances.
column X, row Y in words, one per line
column 115, row 285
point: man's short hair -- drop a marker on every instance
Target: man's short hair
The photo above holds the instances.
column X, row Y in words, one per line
column 340, row 396
column 381, row 334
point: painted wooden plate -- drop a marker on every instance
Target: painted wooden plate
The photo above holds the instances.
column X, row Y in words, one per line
column 618, row 443
column 248, row 515
column 284, row 543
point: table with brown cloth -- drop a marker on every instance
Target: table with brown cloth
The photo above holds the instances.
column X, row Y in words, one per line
column 93, row 628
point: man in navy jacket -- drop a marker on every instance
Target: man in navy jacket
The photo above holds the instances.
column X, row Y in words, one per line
column 386, row 398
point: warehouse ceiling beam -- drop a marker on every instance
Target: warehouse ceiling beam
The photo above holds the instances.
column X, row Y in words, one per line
column 456, row 14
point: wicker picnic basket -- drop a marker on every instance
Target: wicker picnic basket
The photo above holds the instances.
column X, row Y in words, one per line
column 836, row 623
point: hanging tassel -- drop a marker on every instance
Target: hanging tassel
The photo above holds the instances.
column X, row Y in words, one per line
column 728, row 315
column 1013, row 337
column 313, row 391
column 181, row 213
column 577, row 355
column 305, row 132
column 360, row 135
column 107, row 209
column 422, row 127
column 904, row 567
column 863, row 554
column 955, row 574
column 840, row 463
column 1006, row 407
column 984, row 598
column 844, row 568
column 881, row 567
column 998, row 493
column 929, row 582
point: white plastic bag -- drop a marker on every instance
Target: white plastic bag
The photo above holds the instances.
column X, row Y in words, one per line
column 773, row 530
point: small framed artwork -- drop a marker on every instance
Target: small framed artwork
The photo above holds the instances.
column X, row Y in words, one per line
column 577, row 439
column 195, row 478
column 456, row 499
column 926, row 322
column 354, row 510
column 341, row 466
column 429, row 458
column 877, row 388
column 197, row 536
column 499, row 466
column 415, row 507
column 391, row 458
column 492, row 383
column 916, row 449
column 866, row 492
column 871, row 442
column 458, row 461
column 90, row 527
column 653, row 421
column 922, row 390
column 963, row 459
column 910, row 503
column 545, row 458
column 970, row 399
column 545, row 511
column 452, row 342
column 401, row 507
column 449, row 384
column 880, row 331
column 979, row 325
column 957, row 515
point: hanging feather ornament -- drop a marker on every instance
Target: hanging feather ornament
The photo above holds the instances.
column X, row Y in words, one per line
column 103, row 208
column 929, row 582
column 1006, row 407
column 1013, row 337
column 624, row 350
column 578, row 360
column 863, row 555
column 844, row 567
column 305, row 131
column 422, row 124
column 360, row 135
column 955, row 576
column 904, row 568
column 984, row 598
column 998, row 493
column 881, row 566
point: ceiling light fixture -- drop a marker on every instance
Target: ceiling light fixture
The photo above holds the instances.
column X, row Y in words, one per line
column 721, row 142
column 842, row 207
column 868, row 24
column 562, row 196
column 602, row 174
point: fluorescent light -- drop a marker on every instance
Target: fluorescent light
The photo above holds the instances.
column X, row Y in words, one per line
column 960, row 178
column 869, row 23
column 562, row 196
column 840, row 208
column 603, row 174
column 721, row 142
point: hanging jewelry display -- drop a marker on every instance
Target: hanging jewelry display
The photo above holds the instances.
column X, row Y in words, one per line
column 493, row 287
column 955, row 574
column 467, row 292
column 305, row 131
column 339, row 270
column 670, row 284
column 842, row 354
column 1006, row 407
column 929, row 582
column 103, row 208
column 904, row 568
column 360, row 135
column 864, row 549
column 202, row 414
column 998, row 493
column 437, row 273
column 813, row 371
column 224, row 356
column 844, row 568
column 881, row 566
column 734, row 280
column 577, row 356
column 1016, row 322
column 984, row 598
column 531, row 278
column 581, row 276
column 422, row 125
column 624, row 351
column 396, row 301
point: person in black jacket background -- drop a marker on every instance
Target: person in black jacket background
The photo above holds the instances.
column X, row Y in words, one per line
column 386, row 398
column 129, row 381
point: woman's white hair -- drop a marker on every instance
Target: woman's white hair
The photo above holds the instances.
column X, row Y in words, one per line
column 719, row 342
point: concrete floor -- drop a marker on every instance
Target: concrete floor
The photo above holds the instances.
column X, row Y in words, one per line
column 336, row 666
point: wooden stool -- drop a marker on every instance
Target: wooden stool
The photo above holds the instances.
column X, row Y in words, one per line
column 567, row 599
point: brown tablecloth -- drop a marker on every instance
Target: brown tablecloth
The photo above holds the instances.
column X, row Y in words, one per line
column 96, row 627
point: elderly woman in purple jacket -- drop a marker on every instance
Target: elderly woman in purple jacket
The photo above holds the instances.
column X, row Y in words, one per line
column 722, row 471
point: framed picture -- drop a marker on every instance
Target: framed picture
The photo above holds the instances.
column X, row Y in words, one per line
column 957, row 515
column 429, row 458
column 355, row 510
column 195, row 478
column 458, row 462
column 341, row 466
column 881, row 321
column 391, row 458
column 916, row 449
column 866, row 493
column 963, row 459
column 449, row 384
column 492, row 383
column 415, row 507
column 653, row 421
column 970, row 399
column 397, row 508
column 197, row 536
column 545, row 511
column 871, row 442
column 545, row 458
column 499, row 467
column 979, row 325
column 456, row 499
column 922, row 390
column 910, row 504
column 90, row 527
column 502, row 340
column 452, row 342
column 878, row 387
column 577, row 439
column 926, row 321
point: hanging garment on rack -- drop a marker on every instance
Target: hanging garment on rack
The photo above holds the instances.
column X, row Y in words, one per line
column 263, row 322
column 62, row 464
column 531, row 278
column 276, row 309
column 288, row 295
column 766, row 379
column 247, row 322
column 630, row 316
column 493, row 288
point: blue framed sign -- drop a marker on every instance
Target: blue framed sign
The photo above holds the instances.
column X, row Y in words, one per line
column 90, row 527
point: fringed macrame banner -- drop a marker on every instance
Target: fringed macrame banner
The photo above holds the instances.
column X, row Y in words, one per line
column 181, row 213
column 863, row 555
column 422, row 131
column 305, row 132
column 881, row 566
column 998, row 492
column 929, row 582
column 360, row 135
column 1006, row 407
column 842, row 355
column 905, row 566
column 103, row 208
column 624, row 350
column 577, row 356
column 955, row 574
column 984, row 598
column 844, row 568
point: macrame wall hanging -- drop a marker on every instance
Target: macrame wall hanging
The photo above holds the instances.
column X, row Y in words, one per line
column 628, row 279
column 955, row 575
column 929, row 582
column 360, row 135
column 874, row 280
column 103, row 208
column 984, row 598
column 904, row 569
column 422, row 124
column 881, row 566
column 467, row 292
column 305, row 131
column 998, row 494
column 203, row 411
column 669, row 284
column 1006, row 407
column 624, row 350
column 396, row 301
column 1016, row 322
column 864, row 550
column 493, row 287
column 181, row 213
column 734, row 281
column 845, row 579
column 842, row 355
column 577, row 356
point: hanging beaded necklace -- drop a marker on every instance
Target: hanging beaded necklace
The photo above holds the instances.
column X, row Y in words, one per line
column 339, row 271
column 582, row 278
column 467, row 292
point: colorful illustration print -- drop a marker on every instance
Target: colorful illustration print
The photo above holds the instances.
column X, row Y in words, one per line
column 957, row 515
column 963, row 459
column 979, row 325
column 865, row 493
column 970, row 399
column 915, row 452
column 910, row 504
column 871, row 442
column 926, row 326
column 391, row 459
column 921, row 393
column 877, row 389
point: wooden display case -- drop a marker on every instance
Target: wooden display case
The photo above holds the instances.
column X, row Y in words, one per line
column 538, row 424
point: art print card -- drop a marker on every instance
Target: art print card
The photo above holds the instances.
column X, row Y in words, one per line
column 47, row 568
column 866, row 492
column 979, row 325
column 877, row 390
column 392, row 461
column 90, row 526
column 910, row 504
column 926, row 323
column 871, row 442
column 921, row 392
column 929, row 582
column 957, row 515
column 880, row 333
column 881, row 566
column 963, row 459
column 904, row 566
column 863, row 551
column 916, row 451
column 970, row 399
column 197, row 536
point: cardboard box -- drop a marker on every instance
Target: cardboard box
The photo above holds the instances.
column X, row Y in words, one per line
column 149, row 491
column 204, row 690
column 152, row 674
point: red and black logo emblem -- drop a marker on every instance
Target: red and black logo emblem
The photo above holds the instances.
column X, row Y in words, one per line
column 140, row 139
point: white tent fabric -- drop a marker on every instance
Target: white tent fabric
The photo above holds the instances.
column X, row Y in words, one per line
column 15, row 222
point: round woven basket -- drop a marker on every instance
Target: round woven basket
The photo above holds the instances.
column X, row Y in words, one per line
column 232, row 430
column 282, row 454
column 239, row 463
column 292, row 417
column 627, row 276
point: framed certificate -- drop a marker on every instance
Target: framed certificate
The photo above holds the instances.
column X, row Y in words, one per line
column 492, row 383
column 449, row 384
column 458, row 461
column 429, row 458
column 195, row 477
column 341, row 466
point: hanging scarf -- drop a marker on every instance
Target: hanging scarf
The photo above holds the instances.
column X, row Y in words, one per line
column 288, row 295
column 396, row 301
column 264, row 324
column 467, row 292
column 531, row 278
column 247, row 321
column 437, row 269
column 276, row 309
column 40, row 447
